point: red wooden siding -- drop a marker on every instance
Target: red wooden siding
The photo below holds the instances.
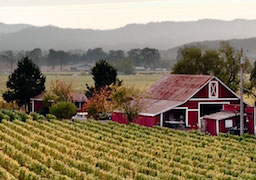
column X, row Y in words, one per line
column 250, row 121
column 148, row 121
column 223, row 92
column 222, row 127
column 119, row 117
column 194, row 104
column 203, row 93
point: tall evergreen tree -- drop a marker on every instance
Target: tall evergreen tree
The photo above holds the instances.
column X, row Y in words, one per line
column 24, row 83
column 103, row 75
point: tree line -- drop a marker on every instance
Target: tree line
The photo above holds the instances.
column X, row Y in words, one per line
column 223, row 63
column 125, row 62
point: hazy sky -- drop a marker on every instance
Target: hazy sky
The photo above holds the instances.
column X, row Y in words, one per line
column 108, row 14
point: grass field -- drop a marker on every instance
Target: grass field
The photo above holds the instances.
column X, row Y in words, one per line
column 141, row 81
column 92, row 150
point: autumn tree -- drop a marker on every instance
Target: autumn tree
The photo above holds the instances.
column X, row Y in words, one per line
column 128, row 101
column 99, row 105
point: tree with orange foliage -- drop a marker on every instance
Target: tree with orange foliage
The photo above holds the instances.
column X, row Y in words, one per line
column 99, row 105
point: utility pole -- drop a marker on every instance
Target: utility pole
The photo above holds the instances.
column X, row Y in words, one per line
column 242, row 61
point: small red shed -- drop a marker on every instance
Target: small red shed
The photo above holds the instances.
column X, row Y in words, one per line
column 181, row 100
column 77, row 98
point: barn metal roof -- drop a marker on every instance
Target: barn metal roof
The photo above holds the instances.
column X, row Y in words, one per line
column 177, row 87
column 152, row 107
column 221, row 115
column 171, row 91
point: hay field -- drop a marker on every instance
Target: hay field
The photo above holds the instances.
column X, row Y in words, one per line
column 140, row 81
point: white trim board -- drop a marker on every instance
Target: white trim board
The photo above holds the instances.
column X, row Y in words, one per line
column 32, row 99
column 213, row 99
column 192, row 110
column 217, row 128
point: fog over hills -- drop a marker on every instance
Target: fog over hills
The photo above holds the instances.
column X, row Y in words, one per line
column 9, row 28
column 160, row 35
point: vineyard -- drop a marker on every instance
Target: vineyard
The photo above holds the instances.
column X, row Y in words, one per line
column 91, row 150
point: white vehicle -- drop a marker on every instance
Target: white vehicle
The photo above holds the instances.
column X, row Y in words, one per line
column 80, row 116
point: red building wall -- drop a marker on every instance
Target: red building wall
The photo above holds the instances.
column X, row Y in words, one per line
column 222, row 127
column 223, row 92
column 119, row 117
column 250, row 119
column 148, row 121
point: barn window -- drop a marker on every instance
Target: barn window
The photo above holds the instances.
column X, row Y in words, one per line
column 228, row 123
column 213, row 89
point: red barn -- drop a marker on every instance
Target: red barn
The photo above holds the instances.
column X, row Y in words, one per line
column 181, row 101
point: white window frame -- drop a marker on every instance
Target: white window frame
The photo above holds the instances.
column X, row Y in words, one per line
column 228, row 123
column 210, row 89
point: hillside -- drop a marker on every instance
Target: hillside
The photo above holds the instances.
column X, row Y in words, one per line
column 160, row 35
column 10, row 28
column 249, row 46
column 91, row 150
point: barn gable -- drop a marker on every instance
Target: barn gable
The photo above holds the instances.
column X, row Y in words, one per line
column 215, row 89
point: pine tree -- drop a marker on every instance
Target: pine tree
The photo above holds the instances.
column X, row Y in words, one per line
column 103, row 75
column 24, row 83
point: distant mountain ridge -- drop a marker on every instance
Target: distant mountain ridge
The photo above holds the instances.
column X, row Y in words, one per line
column 9, row 28
column 161, row 35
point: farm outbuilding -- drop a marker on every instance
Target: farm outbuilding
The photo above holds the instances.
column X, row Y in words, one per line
column 77, row 98
column 182, row 101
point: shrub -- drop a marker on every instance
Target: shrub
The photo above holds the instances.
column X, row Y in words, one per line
column 50, row 117
column 10, row 114
column 63, row 110
column 21, row 116
column 3, row 116
column 35, row 116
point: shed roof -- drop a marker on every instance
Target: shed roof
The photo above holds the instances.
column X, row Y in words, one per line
column 221, row 115
column 177, row 87
column 152, row 107
column 76, row 97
